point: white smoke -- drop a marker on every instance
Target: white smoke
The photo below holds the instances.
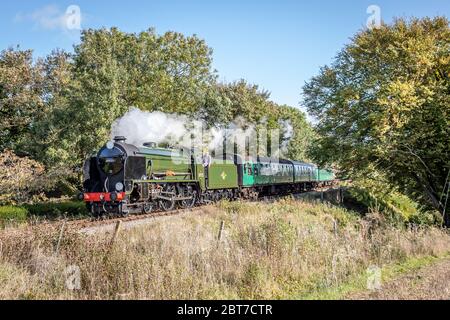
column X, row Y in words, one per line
column 139, row 127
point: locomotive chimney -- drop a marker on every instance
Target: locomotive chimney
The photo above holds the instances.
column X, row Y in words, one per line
column 120, row 139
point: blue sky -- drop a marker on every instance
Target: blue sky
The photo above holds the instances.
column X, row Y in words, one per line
column 276, row 44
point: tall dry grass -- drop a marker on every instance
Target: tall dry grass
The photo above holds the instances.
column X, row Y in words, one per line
column 279, row 250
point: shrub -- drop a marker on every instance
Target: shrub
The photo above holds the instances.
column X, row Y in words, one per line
column 427, row 218
column 54, row 210
column 395, row 207
column 279, row 234
column 21, row 178
column 25, row 180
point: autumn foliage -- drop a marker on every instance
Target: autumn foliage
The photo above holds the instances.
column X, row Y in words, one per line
column 21, row 178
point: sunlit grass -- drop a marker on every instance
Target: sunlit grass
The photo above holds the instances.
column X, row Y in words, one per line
column 285, row 250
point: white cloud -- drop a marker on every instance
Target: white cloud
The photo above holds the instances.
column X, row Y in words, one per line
column 52, row 18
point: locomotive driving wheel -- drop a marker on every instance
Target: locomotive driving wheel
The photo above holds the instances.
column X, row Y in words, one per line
column 147, row 207
column 188, row 192
column 168, row 203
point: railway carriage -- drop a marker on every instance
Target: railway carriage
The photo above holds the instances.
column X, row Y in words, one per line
column 272, row 172
column 305, row 174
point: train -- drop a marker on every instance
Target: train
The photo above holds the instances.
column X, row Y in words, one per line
column 123, row 179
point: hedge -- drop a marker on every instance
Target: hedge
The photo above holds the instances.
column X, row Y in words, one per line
column 72, row 209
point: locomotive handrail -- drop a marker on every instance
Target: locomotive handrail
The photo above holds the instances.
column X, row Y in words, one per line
column 173, row 173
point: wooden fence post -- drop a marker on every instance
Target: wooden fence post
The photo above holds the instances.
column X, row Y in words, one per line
column 116, row 232
column 222, row 226
column 335, row 227
column 61, row 233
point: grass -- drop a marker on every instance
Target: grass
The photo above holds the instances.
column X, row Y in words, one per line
column 358, row 283
column 10, row 215
column 285, row 250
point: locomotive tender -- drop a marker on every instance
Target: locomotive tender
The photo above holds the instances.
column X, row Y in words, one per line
column 123, row 178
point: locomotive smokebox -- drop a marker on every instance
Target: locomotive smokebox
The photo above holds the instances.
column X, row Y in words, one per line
column 120, row 139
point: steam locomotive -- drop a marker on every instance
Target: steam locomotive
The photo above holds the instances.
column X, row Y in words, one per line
column 124, row 179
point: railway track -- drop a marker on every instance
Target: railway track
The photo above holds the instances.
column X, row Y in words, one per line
column 91, row 226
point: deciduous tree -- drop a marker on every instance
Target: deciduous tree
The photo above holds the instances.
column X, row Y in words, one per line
column 381, row 105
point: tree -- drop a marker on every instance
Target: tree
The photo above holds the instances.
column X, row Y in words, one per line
column 113, row 71
column 299, row 135
column 20, row 96
column 381, row 106
column 56, row 71
column 247, row 103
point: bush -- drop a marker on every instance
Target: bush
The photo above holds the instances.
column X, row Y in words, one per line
column 21, row 177
column 54, row 210
column 13, row 214
column 427, row 218
column 374, row 194
column 279, row 236
column 25, row 180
